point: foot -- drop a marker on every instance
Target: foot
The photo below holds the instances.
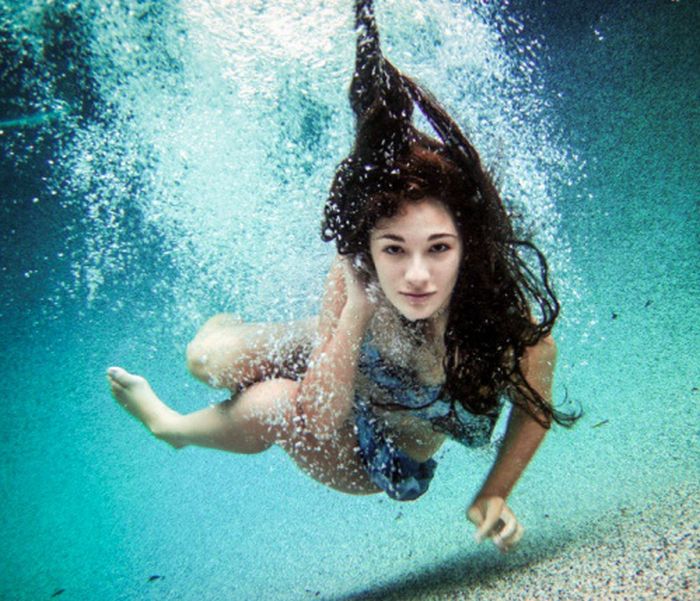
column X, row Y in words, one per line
column 135, row 394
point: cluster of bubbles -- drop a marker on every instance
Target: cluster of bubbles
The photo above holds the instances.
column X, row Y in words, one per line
column 198, row 140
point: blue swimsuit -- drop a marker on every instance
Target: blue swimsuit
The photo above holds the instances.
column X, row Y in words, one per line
column 391, row 469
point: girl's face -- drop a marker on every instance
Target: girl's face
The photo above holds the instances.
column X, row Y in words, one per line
column 417, row 254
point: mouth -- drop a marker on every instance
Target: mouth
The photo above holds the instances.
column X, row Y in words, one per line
column 413, row 297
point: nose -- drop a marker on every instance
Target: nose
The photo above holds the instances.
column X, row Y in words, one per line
column 417, row 273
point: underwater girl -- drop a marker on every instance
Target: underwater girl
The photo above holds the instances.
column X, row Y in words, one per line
column 430, row 319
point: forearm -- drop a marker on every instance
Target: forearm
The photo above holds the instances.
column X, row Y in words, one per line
column 326, row 393
column 523, row 436
column 488, row 511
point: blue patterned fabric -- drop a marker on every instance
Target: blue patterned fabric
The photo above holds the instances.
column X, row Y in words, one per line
column 404, row 389
column 396, row 473
column 399, row 475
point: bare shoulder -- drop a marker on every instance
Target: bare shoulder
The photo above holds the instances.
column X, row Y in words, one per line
column 545, row 349
column 537, row 364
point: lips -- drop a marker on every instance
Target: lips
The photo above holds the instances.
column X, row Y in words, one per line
column 417, row 298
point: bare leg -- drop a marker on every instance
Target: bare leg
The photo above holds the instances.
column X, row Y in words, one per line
column 135, row 394
column 227, row 426
column 228, row 353
column 262, row 415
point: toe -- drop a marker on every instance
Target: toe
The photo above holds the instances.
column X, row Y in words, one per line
column 118, row 376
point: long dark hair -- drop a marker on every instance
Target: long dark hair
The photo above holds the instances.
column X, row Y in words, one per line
column 491, row 321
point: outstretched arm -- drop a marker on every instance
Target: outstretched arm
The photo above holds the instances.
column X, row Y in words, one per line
column 523, row 436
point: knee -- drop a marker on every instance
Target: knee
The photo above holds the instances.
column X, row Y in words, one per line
column 197, row 359
column 212, row 364
column 214, row 348
column 197, row 356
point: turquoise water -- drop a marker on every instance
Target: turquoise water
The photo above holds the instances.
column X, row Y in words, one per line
column 162, row 162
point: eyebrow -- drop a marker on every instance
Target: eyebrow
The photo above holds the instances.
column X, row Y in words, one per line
column 400, row 239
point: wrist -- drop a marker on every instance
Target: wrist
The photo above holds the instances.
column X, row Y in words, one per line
column 489, row 490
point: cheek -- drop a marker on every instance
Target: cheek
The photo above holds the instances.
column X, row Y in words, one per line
column 386, row 274
column 383, row 271
column 376, row 262
column 374, row 255
column 452, row 272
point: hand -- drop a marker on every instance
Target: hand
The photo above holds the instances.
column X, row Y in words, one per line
column 496, row 521
column 361, row 294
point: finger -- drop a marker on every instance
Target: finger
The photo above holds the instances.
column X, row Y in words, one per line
column 519, row 532
column 510, row 525
column 374, row 292
column 359, row 269
column 493, row 513
column 507, row 545
column 474, row 515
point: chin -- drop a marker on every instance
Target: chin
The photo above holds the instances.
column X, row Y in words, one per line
column 413, row 315
column 426, row 313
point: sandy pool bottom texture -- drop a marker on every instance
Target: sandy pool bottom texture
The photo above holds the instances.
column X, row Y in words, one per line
column 646, row 553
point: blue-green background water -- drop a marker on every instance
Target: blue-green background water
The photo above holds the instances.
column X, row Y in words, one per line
column 162, row 162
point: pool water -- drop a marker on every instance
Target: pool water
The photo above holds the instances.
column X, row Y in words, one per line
column 162, row 162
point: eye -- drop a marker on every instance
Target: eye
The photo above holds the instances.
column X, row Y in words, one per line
column 393, row 249
column 440, row 247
